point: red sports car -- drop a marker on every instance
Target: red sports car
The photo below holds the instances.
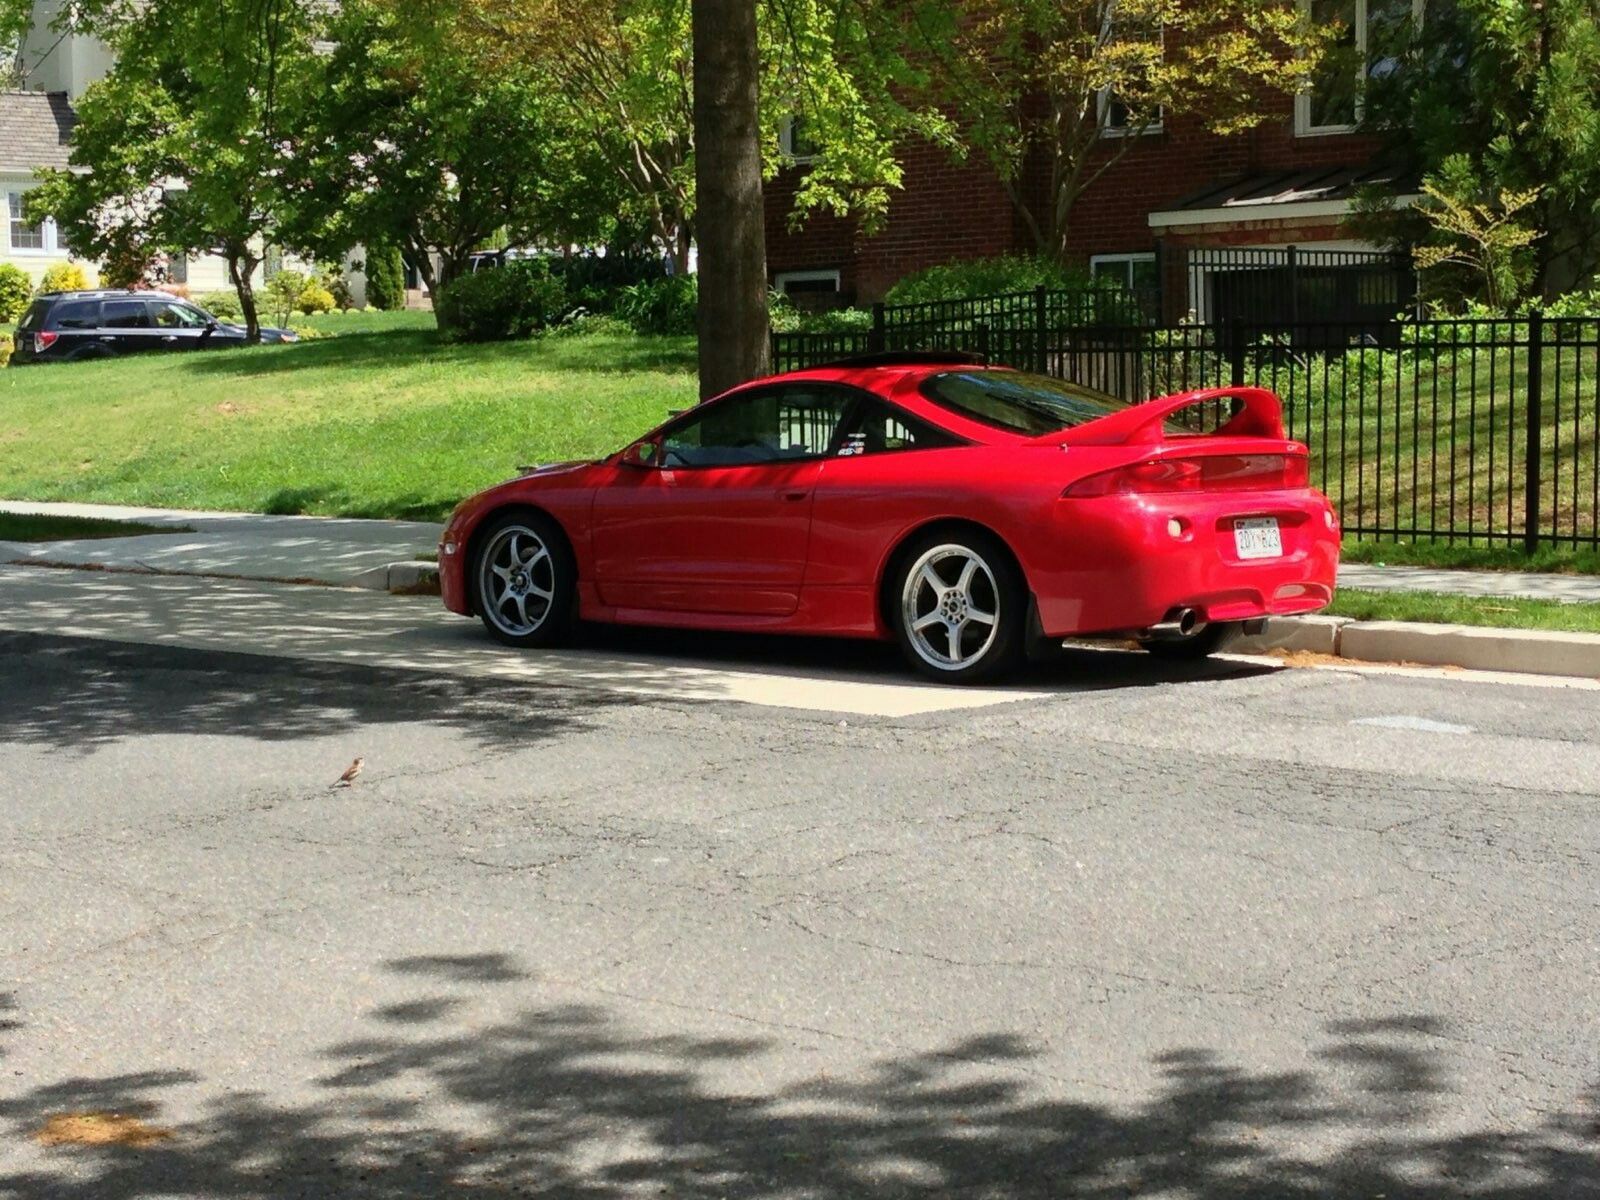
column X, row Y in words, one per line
column 966, row 511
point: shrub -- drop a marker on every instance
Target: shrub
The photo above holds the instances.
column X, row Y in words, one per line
column 386, row 278
column 6, row 347
column 222, row 304
column 590, row 324
column 339, row 288
column 308, row 333
column 314, row 298
column 282, row 295
column 64, row 277
column 665, row 305
column 986, row 277
column 501, row 303
column 16, row 289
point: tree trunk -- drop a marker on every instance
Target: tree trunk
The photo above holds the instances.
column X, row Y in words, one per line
column 241, row 266
column 734, row 333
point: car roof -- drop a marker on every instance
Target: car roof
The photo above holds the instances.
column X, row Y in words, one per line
column 107, row 294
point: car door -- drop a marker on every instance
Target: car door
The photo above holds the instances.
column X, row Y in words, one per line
column 720, row 522
column 126, row 327
column 179, row 326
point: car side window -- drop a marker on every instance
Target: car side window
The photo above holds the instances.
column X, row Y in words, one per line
column 125, row 314
column 879, row 429
column 171, row 315
column 769, row 426
column 78, row 314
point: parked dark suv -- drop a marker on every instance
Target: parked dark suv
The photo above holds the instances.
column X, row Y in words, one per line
column 70, row 326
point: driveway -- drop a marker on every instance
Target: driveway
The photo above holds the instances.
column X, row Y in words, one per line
column 1116, row 932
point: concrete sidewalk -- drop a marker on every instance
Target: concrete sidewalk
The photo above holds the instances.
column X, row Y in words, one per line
column 337, row 550
column 333, row 550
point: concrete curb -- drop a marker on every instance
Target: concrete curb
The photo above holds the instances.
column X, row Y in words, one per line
column 1474, row 648
column 398, row 576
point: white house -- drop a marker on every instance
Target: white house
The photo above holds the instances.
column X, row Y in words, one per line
column 36, row 122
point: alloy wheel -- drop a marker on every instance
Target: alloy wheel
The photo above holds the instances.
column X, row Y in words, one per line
column 951, row 607
column 517, row 581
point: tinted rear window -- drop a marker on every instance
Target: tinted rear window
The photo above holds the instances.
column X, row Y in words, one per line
column 1027, row 404
column 34, row 317
column 126, row 314
column 77, row 314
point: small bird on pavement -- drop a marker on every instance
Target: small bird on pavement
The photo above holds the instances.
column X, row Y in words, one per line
column 349, row 775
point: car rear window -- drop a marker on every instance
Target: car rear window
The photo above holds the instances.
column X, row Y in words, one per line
column 126, row 314
column 34, row 317
column 1032, row 405
column 77, row 314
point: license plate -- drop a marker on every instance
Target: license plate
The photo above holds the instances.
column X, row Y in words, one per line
column 1258, row 537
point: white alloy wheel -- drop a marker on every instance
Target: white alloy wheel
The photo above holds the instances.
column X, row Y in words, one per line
column 951, row 608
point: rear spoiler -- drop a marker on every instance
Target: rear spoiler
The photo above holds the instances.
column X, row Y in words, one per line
column 1260, row 414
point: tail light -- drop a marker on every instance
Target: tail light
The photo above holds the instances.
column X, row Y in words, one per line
column 1211, row 473
column 43, row 341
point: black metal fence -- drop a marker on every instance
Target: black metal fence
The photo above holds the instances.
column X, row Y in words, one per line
column 1291, row 285
column 1485, row 431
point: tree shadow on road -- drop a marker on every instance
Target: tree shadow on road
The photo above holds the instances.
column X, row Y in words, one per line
column 76, row 694
column 569, row 1103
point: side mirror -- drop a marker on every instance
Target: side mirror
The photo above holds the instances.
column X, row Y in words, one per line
column 642, row 454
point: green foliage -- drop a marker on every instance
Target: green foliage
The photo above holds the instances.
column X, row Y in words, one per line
column 315, row 298
column 1478, row 231
column 668, row 305
column 786, row 318
column 386, row 278
column 64, row 277
column 16, row 290
column 7, row 346
column 1511, row 87
column 224, row 305
column 282, row 293
column 1025, row 81
column 501, row 303
column 986, row 277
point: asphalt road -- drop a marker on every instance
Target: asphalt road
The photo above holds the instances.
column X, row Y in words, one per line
column 1123, row 932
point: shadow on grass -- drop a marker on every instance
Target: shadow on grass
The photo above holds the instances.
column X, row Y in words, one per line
column 570, row 1102
column 401, row 348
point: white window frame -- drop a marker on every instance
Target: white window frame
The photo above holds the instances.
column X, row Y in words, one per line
column 782, row 279
column 1302, row 102
column 1127, row 260
column 47, row 228
column 1102, row 101
column 786, row 143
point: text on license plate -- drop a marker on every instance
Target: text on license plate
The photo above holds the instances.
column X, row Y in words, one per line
column 1257, row 537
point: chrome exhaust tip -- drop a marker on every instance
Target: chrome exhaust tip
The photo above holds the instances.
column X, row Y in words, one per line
column 1178, row 624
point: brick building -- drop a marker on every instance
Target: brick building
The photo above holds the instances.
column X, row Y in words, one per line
column 1287, row 182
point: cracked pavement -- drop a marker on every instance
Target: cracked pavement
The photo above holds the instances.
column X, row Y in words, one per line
column 1169, row 935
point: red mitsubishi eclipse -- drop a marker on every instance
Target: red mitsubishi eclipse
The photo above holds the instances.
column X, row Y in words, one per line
column 963, row 510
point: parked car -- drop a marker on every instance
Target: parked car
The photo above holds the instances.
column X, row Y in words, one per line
column 961, row 509
column 71, row 326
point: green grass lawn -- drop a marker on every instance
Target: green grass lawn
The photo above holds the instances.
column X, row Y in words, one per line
column 1433, row 608
column 1472, row 557
column 382, row 420
column 30, row 527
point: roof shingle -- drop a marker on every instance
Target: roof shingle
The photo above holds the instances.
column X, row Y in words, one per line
column 35, row 128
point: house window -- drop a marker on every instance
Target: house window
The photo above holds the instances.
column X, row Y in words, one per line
column 271, row 262
column 1117, row 115
column 807, row 283
column 23, row 235
column 1371, row 35
column 1132, row 272
column 178, row 268
column 794, row 143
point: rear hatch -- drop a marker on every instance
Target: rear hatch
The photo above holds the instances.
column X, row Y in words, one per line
column 27, row 343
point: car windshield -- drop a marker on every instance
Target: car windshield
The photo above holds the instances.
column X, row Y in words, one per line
column 1033, row 405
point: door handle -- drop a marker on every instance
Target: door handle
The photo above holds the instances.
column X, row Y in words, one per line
column 171, row 337
column 795, row 495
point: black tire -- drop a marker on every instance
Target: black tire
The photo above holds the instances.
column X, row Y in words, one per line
column 1202, row 643
column 524, row 580
column 956, row 646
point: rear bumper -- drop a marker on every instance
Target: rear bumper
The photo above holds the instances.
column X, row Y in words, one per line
column 1115, row 564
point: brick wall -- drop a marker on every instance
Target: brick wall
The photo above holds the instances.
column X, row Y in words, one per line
column 951, row 210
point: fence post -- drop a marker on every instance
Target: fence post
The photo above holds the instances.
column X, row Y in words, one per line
column 1531, row 501
column 1294, row 285
column 982, row 330
column 1041, row 329
column 877, row 343
column 1236, row 351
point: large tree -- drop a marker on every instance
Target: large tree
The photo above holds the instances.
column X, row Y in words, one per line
column 418, row 143
column 1503, row 98
column 182, row 147
column 1034, row 84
